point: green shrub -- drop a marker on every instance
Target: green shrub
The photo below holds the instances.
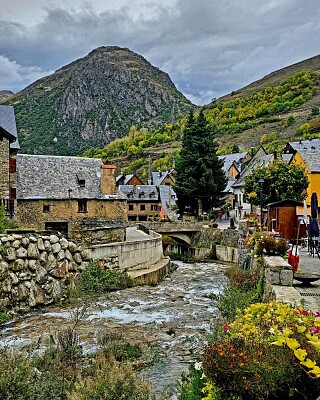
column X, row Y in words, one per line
column 95, row 280
column 191, row 384
column 115, row 346
column 113, row 381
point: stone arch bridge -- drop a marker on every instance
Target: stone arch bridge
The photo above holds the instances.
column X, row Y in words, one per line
column 182, row 232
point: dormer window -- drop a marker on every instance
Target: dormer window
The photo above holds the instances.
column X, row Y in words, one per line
column 152, row 195
column 130, row 195
column 141, row 195
column 81, row 180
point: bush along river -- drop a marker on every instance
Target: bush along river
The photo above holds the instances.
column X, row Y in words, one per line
column 169, row 321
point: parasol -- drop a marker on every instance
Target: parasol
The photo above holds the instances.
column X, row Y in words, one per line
column 314, row 226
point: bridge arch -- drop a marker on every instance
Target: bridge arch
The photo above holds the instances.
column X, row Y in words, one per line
column 179, row 237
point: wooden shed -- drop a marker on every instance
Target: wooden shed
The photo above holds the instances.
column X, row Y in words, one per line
column 283, row 217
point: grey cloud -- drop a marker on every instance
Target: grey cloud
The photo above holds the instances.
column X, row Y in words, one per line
column 208, row 47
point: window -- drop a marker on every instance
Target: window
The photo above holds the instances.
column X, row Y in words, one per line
column 13, row 165
column 142, row 207
column 82, row 206
column 46, row 208
column 154, row 207
column 130, row 207
column 152, row 195
column 141, row 194
column 81, row 180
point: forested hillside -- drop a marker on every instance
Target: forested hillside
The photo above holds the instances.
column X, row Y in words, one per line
column 286, row 111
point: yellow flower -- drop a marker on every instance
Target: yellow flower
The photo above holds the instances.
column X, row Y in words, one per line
column 279, row 342
column 315, row 371
column 301, row 329
column 287, row 332
column 315, row 344
column 293, row 344
column 300, row 354
column 308, row 363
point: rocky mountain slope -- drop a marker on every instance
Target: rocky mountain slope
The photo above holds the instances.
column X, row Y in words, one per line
column 282, row 106
column 94, row 100
column 4, row 94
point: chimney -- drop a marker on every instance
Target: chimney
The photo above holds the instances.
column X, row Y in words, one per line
column 108, row 179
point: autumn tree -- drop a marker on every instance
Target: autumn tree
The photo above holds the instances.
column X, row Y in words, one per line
column 281, row 181
column 200, row 179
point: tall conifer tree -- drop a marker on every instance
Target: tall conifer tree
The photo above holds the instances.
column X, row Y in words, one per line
column 200, row 179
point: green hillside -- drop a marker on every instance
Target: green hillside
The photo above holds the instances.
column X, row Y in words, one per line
column 289, row 110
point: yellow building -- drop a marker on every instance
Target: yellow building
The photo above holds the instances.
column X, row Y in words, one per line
column 309, row 158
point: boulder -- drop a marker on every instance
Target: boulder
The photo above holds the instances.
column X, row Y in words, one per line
column 51, row 263
column 33, row 251
column 60, row 271
column 64, row 243
column 40, row 244
column 41, row 275
column 56, row 247
column 3, row 270
column 33, row 265
column 37, row 295
column 17, row 265
column 21, row 252
column 54, row 239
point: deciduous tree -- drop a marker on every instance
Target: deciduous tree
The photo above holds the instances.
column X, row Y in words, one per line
column 281, row 181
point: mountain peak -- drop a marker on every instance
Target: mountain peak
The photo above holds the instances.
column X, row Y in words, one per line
column 94, row 100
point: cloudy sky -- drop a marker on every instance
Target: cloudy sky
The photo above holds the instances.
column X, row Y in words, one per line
column 208, row 47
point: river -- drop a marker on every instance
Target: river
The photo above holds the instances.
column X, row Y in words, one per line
column 173, row 317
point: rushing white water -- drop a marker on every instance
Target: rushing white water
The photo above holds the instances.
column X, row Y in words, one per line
column 175, row 316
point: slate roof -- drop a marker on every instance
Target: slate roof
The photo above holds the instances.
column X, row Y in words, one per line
column 52, row 177
column 126, row 178
column 311, row 157
column 141, row 193
column 168, row 199
column 257, row 162
column 229, row 159
column 8, row 122
column 305, row 144
column 158, row 177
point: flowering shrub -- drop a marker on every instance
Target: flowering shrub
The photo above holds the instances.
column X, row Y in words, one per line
column 271, row 350
column 261, row 242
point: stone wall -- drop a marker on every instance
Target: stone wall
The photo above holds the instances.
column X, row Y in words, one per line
column 38, row 214
column 278, row 272
column 37, row 270
column 130, row 256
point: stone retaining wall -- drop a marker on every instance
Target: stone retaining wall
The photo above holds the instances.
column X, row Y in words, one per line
column 278, row 272
column 129, row 256
column 37, row 270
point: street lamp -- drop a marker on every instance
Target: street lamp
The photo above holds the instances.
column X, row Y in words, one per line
column 55, row 140
column 261, row 182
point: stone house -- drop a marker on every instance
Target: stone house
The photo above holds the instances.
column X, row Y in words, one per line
column 9, row 146
column 73, row 195
column 143, row 202
column 259, row 159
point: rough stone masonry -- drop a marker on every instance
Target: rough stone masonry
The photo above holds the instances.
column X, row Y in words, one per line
column 37, row 270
